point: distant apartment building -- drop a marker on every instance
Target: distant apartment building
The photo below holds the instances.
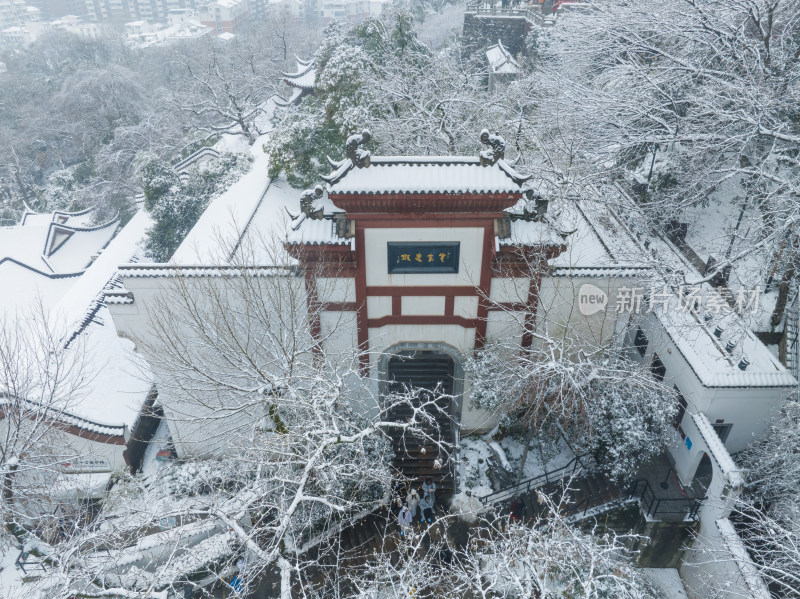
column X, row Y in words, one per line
column 293, row 8
column 225, row 16
column 182, row 24
column 123, row 11
column 352, row 10
column 20, row 23
column 14, row 13
column 55, row 9
column 30, row 30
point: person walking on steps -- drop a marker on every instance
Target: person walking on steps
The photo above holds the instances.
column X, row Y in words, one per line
column 426, row 507
column 429, row 488
column 413, row 502
column 404, row 520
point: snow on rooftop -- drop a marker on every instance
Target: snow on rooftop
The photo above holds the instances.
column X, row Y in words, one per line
column 121, row 379
column 80, row 218
column 587, row 245
column 117, row 384
column 215, row 235
column 422, row 174
column 32, row 276
column 614, row 225
column 712, row 363
column 316, row 232
column 501, row 61
column 77, row 251
column 156, row 270
column 89, row 287
column 56, row 243
column 304, row 77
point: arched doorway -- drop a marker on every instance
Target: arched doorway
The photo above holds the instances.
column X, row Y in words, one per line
column 704, row 474
column 429, row 376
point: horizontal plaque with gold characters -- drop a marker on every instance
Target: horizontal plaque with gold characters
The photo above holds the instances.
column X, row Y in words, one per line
column 423, row 256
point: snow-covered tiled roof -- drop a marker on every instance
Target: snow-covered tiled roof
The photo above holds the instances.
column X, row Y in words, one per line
column 304, row 77
column 600, row 271
column 67, row 418
column 44, row 256
column 500, row 60
column 187, row 162
column 613, row 221
column 119, row 297
column 708, row 358
column 532, row 233
column 249, row 218
column 79, row 218
column 718, row 452
column 56, row 243
column 163, row 270
column 425, row 175
column 317, row 232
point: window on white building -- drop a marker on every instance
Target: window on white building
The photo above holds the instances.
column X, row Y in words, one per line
column 722, row 430
column 640, row 342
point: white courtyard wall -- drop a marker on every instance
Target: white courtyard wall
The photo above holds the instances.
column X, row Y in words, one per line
column 748, row 409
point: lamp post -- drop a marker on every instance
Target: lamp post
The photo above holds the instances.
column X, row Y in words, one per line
column 664, row 484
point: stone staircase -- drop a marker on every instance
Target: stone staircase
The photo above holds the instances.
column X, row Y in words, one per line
column 426, row 377
column 417, row 457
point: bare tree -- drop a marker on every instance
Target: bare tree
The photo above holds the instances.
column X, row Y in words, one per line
column 547, row 557
column 556, row 368
column 693, row 98
column 282, row 440
column 768, row 516
column 40, row 381
column 226, row 91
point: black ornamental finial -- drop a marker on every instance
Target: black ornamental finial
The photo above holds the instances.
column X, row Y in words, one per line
column 357, row 156
column 308, row 200
column 496, row 150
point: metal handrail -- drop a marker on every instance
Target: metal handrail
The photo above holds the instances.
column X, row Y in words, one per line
column 649, row 503
column 22, row 561
column 480, row 8
column 526, row 486
column 652, row 505
column 588, row 502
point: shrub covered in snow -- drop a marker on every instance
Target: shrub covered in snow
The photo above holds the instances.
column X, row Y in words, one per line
column 609, row 405
column 176, row 203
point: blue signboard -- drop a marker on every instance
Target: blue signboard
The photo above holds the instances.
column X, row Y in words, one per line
column 688, row 443
column 423, row 257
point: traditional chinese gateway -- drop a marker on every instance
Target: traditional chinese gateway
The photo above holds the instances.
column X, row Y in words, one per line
column 418, row 261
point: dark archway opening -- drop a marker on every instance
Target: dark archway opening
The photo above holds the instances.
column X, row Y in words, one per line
column 704, row 473
column 428, row 376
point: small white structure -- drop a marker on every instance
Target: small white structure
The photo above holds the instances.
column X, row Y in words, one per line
column 502, row 66
column 138, row 27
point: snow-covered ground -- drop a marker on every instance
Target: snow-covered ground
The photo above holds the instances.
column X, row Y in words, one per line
column 10, row 576
column 667, row 581
column 476, row 453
